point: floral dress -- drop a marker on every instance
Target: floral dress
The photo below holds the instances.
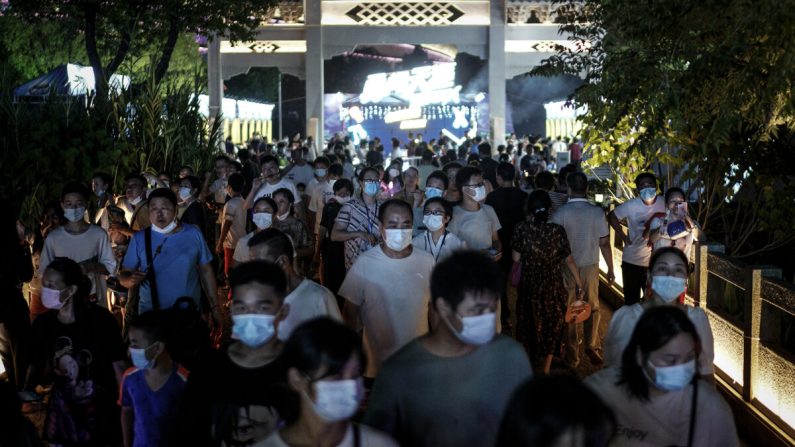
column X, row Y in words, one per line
column 541, row 303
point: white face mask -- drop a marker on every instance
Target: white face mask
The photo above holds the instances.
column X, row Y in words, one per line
column 393, row 173
column 433, row 222
column 477, row 330
column 480, row 194
column 283, row 216
column 51, row 298
column 136, row 201
column 263, row 220
column 342, row 200
column 673, row 378
column 337, row 400
column 668, row 287
column 184, row 193
column 168, row 228
column 74, row 214
column 398, row 239
column 253, row 329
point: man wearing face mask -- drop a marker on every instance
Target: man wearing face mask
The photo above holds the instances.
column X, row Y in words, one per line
column 231, row 398
column 387, row 287
column 461, row 374
column 474, row 222
column 84, row 243
column 306, row 298
column 636, row 212
column 169, row 260
column 134, row 204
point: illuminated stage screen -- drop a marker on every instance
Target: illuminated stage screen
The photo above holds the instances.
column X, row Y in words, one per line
column 423, row 100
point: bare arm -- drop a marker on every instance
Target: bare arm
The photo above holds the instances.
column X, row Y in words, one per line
column 516, row 256
column 575, row 273
column 607, row 253
column 340, row 234
column 614, row 222
column 209, row 285
column 127, row 420
column 225, row 227
column 256, row 184
column 350, row 314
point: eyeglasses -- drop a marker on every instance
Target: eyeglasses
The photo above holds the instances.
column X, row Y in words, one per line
column 433, row 213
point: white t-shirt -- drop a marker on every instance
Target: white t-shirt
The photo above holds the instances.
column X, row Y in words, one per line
column 393, row 297
column 637, row 213
column 475, row 227
column 234, row 212
column 321, row 194
column 370, row 437
column 91, row 245
column 623, row 323
column 440, row 249
column 241, row 249
column 218, row 188
column 665, row 419
column 301, row 174
column 309, row 300
column 266, row 190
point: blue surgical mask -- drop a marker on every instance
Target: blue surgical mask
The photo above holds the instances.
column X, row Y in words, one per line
column 432, row 192
column 371, row 188
column 138, row 357
column 253, row 330
column 673, row 378
column 668, row 288
column 648, row 194
column 320, row 172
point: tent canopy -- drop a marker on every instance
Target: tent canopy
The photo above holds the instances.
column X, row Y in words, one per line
column 68, row 80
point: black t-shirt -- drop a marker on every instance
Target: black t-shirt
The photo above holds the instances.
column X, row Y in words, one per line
column 227, row 403
column 509, row 204
column 194, row 215
column 489, row 167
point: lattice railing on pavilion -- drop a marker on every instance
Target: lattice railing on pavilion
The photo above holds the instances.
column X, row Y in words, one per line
column 532, row 12
column 286, row 12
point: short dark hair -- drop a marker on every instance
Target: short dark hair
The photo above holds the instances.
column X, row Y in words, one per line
column 188, row 168
column 577, row 182
column 164, row 193
column 75, row 188
column 236, row 182
column 286, row 192
column 268, row 159
column 153, row 323
column 645, row 175
column 278, row 242
column 674, row 190
column 393, row 203
column 367, row 169
column 540, row 411
column 484, row 149
column 72, row 275
column 106, row 179
column 566, row 171
column 335, row 169
column 194, row 181
column 463, row 176
column 465, row 271
column 343, row 183
column 656, row 327
column 138, row 177
column 506, row 171
column 221, row 157
column 323, row 160
column 545, row 180
column 267, row 200
column 538, row 205
column 322, row 346
column 261, row 272
column 439, row 175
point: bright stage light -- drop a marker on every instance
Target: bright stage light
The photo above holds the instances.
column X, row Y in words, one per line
column 452, row 137
column 413, row 124
column 403, row 114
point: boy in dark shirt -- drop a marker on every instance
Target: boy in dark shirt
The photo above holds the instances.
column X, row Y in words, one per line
column 152, row 390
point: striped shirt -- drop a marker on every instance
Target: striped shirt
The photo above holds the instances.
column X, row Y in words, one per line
column 359, row 217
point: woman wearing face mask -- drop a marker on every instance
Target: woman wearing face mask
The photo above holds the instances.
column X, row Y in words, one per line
column 392, row 183
column 357, row 222
column 190, row 209
column 656, row 392
column 436, row 240
column 331, row 252
column 411, row 193
column 667, row 282
column 674, row 227
column 324, row 362
column 85, row 328
column 296, row 229
column 542, row 248
column 261, row 218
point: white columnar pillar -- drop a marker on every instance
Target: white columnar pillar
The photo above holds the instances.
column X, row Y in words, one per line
column 215, row 87
column 497, row 101
column 314, row 72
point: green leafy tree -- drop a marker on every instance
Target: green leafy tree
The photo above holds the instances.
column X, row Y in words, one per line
column 703, row 89
column 118, row 27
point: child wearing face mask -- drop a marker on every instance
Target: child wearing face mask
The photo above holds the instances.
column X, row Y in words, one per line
column 152, row 390
column 667, row 283
column 436, row 240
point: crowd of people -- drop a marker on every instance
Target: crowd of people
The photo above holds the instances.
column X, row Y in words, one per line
column 343, row 296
